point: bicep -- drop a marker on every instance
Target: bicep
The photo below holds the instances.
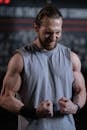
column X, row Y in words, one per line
column 12, row 79
column 11, row 84
column 79, row 82
column 79, row 95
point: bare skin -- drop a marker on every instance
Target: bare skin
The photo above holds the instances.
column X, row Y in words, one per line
column 45, row 109
column 11, row 84
column 51, row 29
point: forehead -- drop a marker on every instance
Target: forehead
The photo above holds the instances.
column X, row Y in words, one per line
column 52, row 23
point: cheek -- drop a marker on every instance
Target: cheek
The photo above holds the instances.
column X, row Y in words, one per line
column 42, row 33
column 42, row 36
column 59, row 36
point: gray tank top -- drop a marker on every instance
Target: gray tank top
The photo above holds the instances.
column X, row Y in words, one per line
column 47, row 75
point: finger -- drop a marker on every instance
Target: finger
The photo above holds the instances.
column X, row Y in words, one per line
column 63, row 99
column 44, row 113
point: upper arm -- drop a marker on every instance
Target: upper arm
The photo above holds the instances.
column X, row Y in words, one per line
column 12, row 79
column 79, row 82
column 75, row 62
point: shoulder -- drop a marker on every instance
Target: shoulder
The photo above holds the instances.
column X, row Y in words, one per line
column 64, row 48
column 16, row 62
column 76, row 63
column 66, row 51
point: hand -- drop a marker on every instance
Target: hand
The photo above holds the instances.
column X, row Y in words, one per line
column 45, row 109
column 67, row 106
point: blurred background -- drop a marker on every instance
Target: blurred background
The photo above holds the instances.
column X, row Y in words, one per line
column 16, row 30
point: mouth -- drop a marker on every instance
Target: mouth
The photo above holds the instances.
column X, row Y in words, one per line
column 51, row 45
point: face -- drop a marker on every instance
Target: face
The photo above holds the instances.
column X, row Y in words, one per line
column 49, row 33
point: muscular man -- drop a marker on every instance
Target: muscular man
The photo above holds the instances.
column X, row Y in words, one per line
column 47, row 76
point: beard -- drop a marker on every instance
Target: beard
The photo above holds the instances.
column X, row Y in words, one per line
column 47, row 44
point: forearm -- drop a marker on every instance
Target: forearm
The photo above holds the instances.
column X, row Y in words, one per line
column 80, row 98
column 79, row 89
column 10, row 103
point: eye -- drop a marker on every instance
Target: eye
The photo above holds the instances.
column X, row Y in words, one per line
column 47, row 34
column 57, row 33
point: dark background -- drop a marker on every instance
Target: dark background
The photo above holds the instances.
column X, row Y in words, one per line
column 16, row 22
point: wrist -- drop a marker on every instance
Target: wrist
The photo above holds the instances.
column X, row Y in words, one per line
column 56, row 111
column 28, row 113
column 78, row 107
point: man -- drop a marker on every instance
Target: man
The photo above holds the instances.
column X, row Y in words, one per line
column 47, row 76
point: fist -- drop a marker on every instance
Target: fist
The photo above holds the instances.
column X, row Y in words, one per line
column 45, row 109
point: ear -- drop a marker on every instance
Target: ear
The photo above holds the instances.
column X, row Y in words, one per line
column 36, row 28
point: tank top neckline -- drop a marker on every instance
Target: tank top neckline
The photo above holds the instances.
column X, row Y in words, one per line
column 45, row 51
